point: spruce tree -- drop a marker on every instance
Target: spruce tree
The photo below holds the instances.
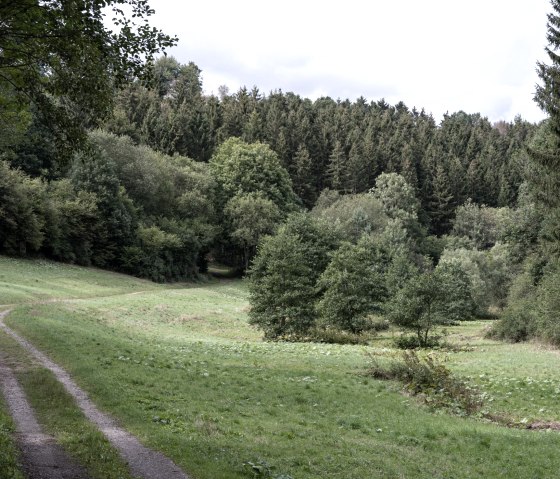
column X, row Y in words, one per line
column 545, row 176
column 336, row 170
column 303, row 186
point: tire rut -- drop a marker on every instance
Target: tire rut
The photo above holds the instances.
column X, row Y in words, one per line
column 142, row 461
column 41, row 456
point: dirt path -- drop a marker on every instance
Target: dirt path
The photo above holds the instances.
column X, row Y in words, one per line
column 143, row 462
column 41, row 456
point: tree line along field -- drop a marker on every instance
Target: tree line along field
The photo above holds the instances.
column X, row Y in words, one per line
column 181, row 368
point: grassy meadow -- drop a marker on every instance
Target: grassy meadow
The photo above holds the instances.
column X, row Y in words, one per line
column 180, row 367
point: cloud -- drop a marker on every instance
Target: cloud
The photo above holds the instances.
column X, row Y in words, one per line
column 477, row 56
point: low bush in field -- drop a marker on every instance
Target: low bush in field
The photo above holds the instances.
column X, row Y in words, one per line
column 377, row 324
column 433, row 381
column 406, row 341
column 326, row 336
column 336, row 336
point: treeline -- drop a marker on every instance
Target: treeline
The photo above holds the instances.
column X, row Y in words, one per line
column 334, row 144
column 119, row 206
column 390, row 202
column 152, row 204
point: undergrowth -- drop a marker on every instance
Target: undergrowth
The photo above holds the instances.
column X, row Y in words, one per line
column 429, row 379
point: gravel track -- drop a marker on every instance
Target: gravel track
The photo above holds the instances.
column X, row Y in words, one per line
column 143, row 462
column 41, row 456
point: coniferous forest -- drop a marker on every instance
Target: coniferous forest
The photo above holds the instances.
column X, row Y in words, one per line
column 339, row 212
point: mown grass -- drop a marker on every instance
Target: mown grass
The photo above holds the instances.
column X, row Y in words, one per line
column 183, row 370
column 59, row 416
column 24, row 280
column 9, row 466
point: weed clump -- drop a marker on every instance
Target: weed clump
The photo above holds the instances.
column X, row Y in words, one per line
column 431, row 380
column 327, row 336
column 408, row 342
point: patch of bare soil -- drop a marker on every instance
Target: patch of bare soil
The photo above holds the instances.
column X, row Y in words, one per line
column 143, row 462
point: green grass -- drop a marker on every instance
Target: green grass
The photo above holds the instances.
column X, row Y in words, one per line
column 60, row 417
column 182, row 369
column 24, row 280
column 9, row 468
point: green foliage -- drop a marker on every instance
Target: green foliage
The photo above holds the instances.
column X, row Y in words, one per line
column 251, row 217
column 249, row 180
column 283, row 278
column 430, row 299
column 243, row 168
column 433, row 381
column 72, row 222
column 457, row 300
column 354, row 215
column 68, row 61
column 476, row 265
column 400, row 270
column 483, row 225
column 156, row 255
column 21, row 212
column 499, row 273
column 396, row 196
column 400, row 205
column 95, row 173
column 409, row 342
column 354, row 286
column 548, row 305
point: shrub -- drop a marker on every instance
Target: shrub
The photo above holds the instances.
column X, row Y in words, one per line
column 548, row 306
column 433, row 381
column 406, row 341
column 21, row 216
column 335, row 336
column 518, row 322
column 377, row 324
column 354, row 215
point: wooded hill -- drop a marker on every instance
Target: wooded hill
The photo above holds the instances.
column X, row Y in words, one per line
column 173, row 177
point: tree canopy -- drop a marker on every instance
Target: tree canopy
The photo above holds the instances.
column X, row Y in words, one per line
column 63, row 58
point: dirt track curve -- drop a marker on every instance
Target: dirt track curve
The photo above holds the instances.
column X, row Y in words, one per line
column 143, row 462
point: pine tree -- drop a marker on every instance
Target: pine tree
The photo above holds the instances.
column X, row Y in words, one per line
column 337, row 168
column 303, row 186
column 440, row 205
column 546, row 174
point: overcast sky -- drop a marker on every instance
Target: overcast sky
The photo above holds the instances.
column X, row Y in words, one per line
column 441, row 55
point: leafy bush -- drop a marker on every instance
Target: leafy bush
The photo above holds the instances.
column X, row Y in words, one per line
column 439, row 297
column 481, row 224
column 433, row 381
column 377, row 324
column 336, row 336
column 407, row 341
column 519, row 321
column 354, row 215
column 21, row 215
column 548, row 306
column 457, row 302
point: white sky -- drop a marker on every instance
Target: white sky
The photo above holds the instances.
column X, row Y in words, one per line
column 442, row 55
